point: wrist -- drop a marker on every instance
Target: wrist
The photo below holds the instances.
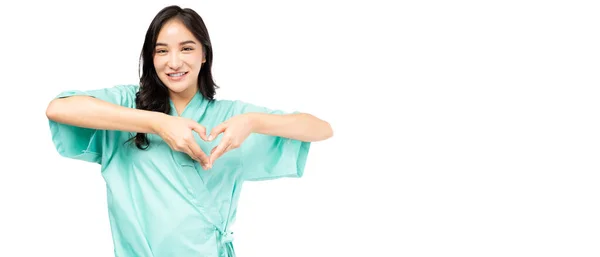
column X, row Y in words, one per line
column 154, row 122
column 255, row 122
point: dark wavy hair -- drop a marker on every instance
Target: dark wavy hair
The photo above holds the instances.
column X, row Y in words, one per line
column 153, row 94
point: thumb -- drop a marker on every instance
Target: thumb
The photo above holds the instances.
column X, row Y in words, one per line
column 216, row 131
column 201, row 130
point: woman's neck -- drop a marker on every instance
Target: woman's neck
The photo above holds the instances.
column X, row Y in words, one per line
column 182, row 99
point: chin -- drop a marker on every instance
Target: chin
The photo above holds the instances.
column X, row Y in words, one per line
column 178, row 87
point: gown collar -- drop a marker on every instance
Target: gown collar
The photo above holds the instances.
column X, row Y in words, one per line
column 196, row 101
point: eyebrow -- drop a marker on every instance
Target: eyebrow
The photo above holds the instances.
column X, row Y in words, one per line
column 182, row 43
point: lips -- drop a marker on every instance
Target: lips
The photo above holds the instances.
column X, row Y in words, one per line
column 177, row 76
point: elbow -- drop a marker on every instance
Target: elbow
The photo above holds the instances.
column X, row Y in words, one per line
column 51, row 110
column 54, row 110
column 328, row 131
column 323, row 131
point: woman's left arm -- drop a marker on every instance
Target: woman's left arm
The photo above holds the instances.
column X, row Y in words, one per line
column 300, row 126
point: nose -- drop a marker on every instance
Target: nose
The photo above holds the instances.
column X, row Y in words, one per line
column 174, row 61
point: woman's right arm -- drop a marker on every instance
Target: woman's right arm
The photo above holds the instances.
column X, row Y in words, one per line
column 90, row 112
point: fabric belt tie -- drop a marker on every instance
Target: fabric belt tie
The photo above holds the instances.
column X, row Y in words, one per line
column 225, row 239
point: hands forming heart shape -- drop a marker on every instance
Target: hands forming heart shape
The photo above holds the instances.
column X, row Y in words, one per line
column 177, row 132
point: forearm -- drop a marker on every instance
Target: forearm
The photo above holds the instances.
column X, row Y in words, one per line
column 299, row 126
column 89, row 112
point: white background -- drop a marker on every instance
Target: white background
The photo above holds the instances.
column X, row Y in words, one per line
column 462, row 128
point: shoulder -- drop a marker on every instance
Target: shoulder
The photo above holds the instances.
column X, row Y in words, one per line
column 122, row 94
column 222, row 106
column 225, row 104
column 121, row 90
column 127, row 88
column 116, row 94
column 235, row 107
column 223, row 109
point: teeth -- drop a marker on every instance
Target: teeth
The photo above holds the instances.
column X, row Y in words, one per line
column 177, row 74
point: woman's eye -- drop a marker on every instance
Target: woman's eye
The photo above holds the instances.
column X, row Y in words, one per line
column 160, row 51
column 188, row 49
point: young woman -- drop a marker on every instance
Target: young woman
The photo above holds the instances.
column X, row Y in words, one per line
column 172, row 156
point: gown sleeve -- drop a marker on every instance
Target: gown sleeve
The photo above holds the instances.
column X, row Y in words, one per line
column 83, row 143
column 266, row 157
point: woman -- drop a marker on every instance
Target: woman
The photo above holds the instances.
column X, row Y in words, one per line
column 172, row 156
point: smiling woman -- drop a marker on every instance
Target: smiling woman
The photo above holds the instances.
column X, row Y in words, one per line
column 163, row 199
column 179, row 45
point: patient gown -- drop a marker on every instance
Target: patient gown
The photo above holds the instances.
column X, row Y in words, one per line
column 161, row 203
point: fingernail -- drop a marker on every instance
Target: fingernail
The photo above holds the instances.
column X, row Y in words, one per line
column 210, row 137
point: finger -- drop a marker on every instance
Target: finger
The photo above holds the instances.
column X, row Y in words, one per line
column 201, row 130
column 229, row 147
column 216, row 131
column 218, row 151
column 189, row 152
column 198, row 154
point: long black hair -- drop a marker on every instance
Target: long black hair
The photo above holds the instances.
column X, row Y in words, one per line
column 153, row 94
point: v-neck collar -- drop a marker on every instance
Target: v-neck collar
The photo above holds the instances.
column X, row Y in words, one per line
column 197, row 100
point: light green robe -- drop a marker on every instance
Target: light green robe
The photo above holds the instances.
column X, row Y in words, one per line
column 161, row 202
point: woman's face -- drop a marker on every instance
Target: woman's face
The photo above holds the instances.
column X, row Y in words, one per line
column 178, row 58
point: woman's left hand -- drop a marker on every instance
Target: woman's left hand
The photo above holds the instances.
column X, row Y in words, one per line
column 235, row 131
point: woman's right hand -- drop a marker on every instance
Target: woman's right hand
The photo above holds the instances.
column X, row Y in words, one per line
column 177, row 132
